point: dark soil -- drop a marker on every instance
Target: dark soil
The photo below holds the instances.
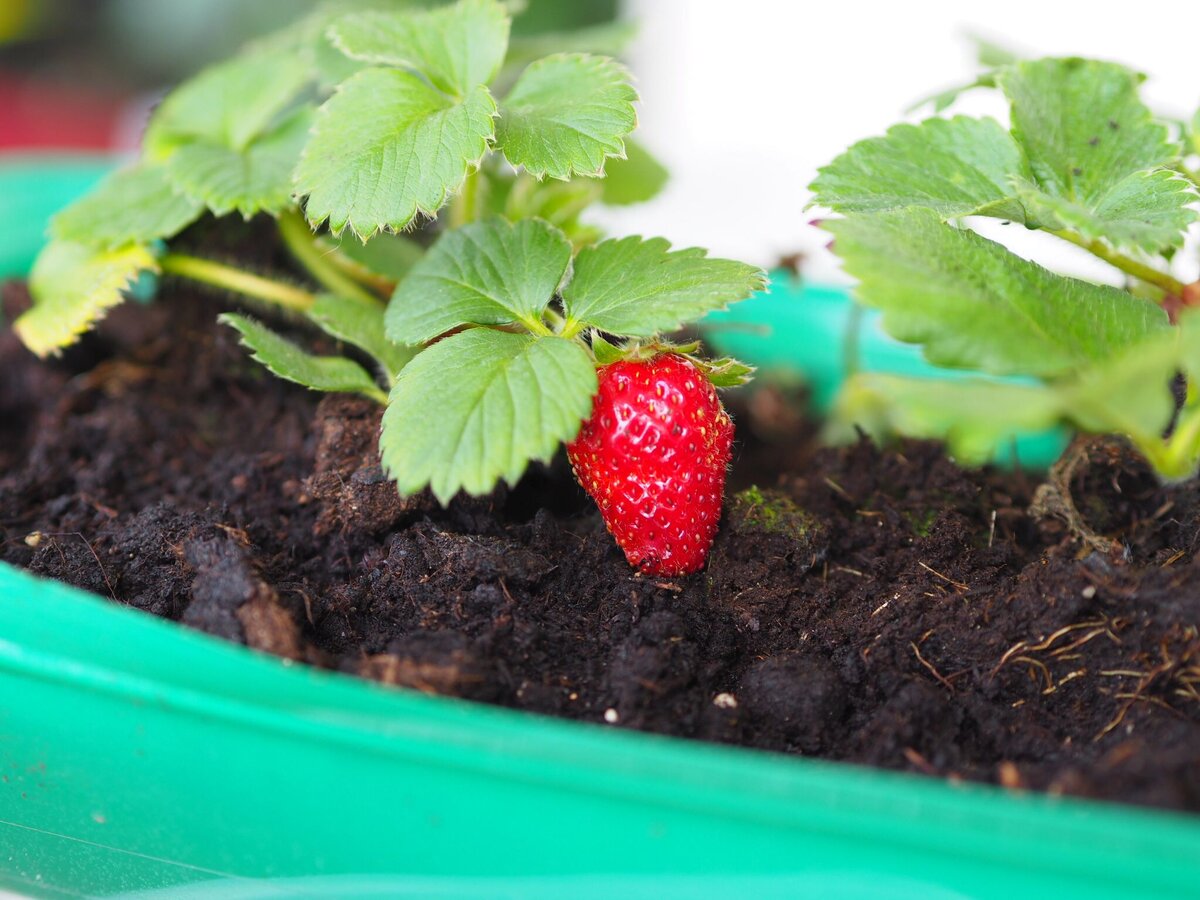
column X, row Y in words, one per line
column 879, row 606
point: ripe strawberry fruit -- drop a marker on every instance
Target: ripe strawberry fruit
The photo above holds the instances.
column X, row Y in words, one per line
column 653, row 456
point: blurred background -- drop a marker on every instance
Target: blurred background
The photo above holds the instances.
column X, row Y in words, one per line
column 742, row 101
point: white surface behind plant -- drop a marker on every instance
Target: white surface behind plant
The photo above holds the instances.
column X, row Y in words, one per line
column 744, row 99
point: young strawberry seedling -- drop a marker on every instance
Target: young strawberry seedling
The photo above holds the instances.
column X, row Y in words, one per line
column 1083, row 160
column 487, row 348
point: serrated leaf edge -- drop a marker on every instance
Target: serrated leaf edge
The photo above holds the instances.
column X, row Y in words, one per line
column 619, row 153
column 472, row 164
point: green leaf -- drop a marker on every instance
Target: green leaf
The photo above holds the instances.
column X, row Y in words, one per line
column 635, row 179
column 1194, row 133
column 727, row 372
column 973, row 416
column 1147, row 210
column 229, row 104
column 487, row 273
column 360, row 322
column 637, row 287
column 1082, row 125
column 73, row 286
column 956, row 167
column 566, row 114
column 257, row 178
column 605, row 352
column 991, row 55
column 973, row 304
column 135, row 205
column 387, row 147
column 944, row 99
column 282, row 358
column 1129, row 394
column 456, row 47
column 1087, row 136
column 478, row 406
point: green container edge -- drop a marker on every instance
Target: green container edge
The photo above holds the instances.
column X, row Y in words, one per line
column 139, row 758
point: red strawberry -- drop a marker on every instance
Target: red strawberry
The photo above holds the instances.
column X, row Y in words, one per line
column 653, row 456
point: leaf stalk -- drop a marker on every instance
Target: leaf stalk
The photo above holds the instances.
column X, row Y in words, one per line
column 301, row 243
column 1129, row 266
column 237, row 280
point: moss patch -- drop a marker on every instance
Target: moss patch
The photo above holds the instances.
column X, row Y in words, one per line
column 773, row 513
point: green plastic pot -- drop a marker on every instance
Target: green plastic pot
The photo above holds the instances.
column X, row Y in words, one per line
column 139, row 758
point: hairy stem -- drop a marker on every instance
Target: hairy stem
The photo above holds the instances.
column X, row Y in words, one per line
column 1129, row 266
column 464, row 208
column 237, row 280
column 301, row 242
column 381, row 284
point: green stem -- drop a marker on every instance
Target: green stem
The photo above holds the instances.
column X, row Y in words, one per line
column 536, row 326
column 381, row 284
column 237, row 280
column 301, row 242
column 464, row 208
column 1129, row 266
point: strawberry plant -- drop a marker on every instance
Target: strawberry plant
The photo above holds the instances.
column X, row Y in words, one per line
column 1082, row 160
column 428, row 174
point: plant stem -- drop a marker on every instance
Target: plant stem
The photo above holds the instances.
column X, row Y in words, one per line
column 379, row 283
column 464, row 208
column 302, row 244
column 1129, row 266
column 237, row 280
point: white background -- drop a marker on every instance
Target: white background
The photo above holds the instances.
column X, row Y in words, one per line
column 744, row 99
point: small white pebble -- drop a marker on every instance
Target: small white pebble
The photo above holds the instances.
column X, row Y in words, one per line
column 725, row 700
column 611, row 716
column 1089, row 592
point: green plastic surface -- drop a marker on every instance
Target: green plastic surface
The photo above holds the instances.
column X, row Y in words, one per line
column 138, row 758
column 32, row 189
column 138, row 755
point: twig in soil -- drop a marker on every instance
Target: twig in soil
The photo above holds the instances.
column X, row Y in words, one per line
column 91, row 550
column 945, row 578
column 1174, row 558
column 837, row 487
column 942, row 680
column 1145, row 679
column 1021, row 652
column 1041, row 667
column 919, row 762
column 850, row 570
column 992, row 531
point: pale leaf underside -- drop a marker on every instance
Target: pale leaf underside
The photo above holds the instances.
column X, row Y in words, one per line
column 286, row 360
column 73, row 286
column 973, row 304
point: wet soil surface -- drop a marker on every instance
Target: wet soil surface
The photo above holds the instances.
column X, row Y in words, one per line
column 878, row 606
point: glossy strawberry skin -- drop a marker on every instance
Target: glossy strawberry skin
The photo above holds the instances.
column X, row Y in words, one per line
column 653, row 456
